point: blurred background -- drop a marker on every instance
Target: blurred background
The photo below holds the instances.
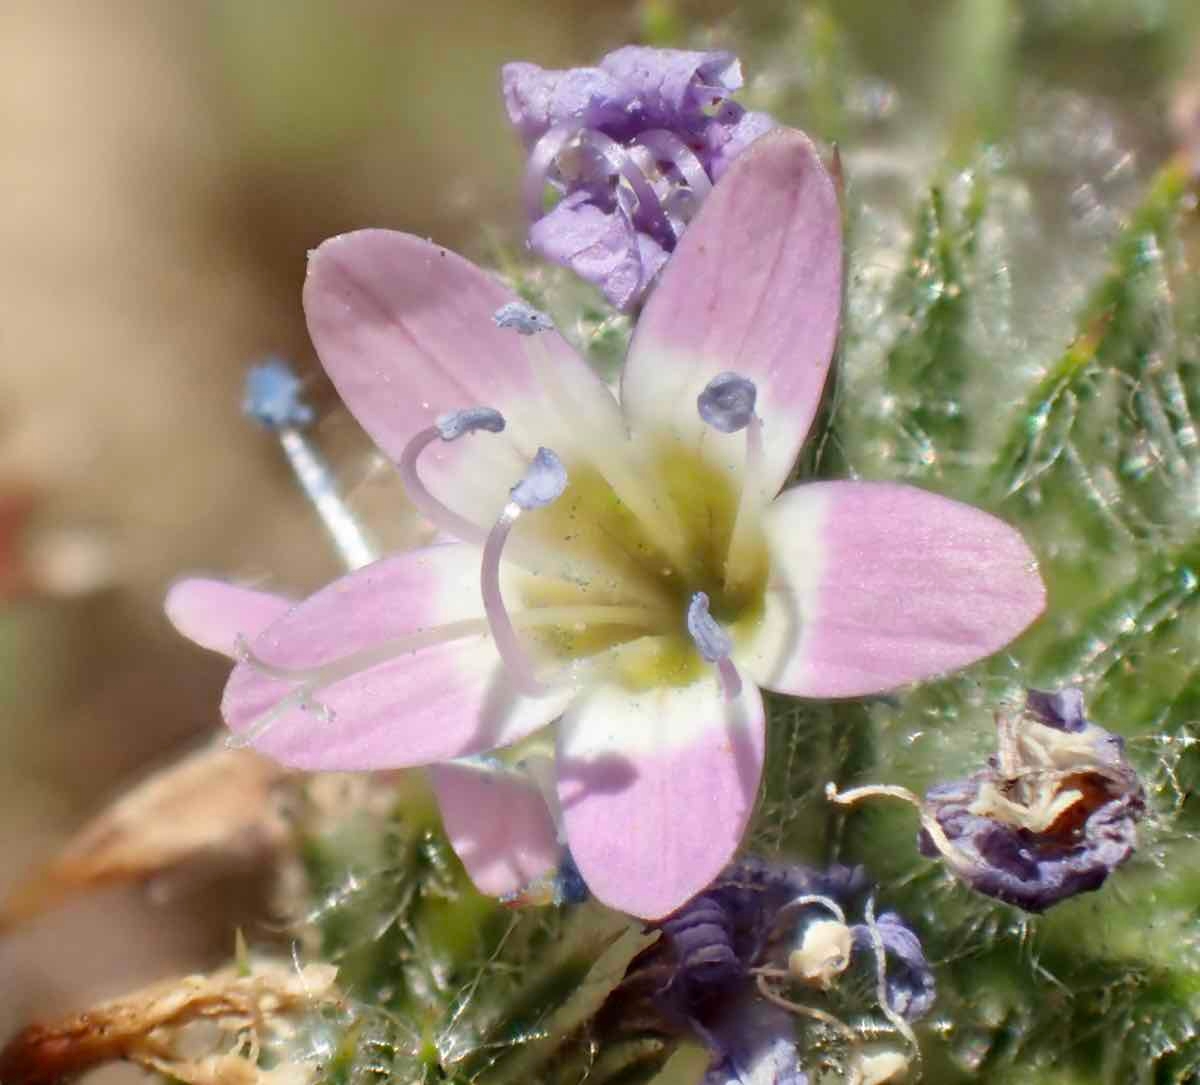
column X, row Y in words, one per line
column 165, row 168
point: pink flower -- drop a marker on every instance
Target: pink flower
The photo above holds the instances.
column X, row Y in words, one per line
column 647, row 577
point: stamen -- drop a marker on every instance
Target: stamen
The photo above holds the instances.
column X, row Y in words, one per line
column 311, row 680
column 542, row 160
column 881, row 993
column 950, row 852
column 713, row 643
column 666, row 146
column 448, row 427
column 728, row 405
column 649, row 214
column 540, row 768
column 805, row 900
column 272, row 398
column 542, row 485
column 761, row 975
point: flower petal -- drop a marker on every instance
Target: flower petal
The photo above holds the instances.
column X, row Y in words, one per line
column 538, row 98
column 404, row 329
column 754, row 287
column 656, row 787
column 423, row 704
column 875, row 584
column 671, row 88
column 213, row 613
column 600, row 246
column 498, row 824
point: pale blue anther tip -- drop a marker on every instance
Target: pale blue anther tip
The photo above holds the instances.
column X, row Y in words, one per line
column 454, row 424
column 522, row 318
column 272, row 396
column 710, row 639
column 727, row 402
column 543, row 483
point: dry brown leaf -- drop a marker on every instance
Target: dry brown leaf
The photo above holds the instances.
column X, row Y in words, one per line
column 205, row 1030
column 215, row 803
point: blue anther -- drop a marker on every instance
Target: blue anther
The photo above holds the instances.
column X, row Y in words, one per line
column 543, row 483
column 272, row 396
column 524, row 319
column 727, row 402
column 706, row 632
column 452, row 425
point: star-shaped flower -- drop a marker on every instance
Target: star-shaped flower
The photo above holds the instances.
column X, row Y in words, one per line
column 644, row 577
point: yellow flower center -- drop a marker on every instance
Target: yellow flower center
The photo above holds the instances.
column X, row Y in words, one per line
column 598, row 551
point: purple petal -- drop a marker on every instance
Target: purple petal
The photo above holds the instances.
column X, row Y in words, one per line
column 498, row 824
column 600, row 247
column 754, row 287
column 1020, row 868
column 538, row 99
column 215, row 614
column 417, row 707
column 875, row 585
column 405, row 331
column 1063, row 709
column 670, row 88
column 657, row 787
column 755, row 1044
column 1033, row 837
column 911, row 989
column 729, row 133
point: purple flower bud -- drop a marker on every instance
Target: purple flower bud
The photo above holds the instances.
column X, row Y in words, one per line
column 702, row 972
column 631, row 147
column 1052, row 815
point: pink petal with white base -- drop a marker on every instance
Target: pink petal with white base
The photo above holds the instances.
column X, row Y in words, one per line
column 498, row 824
column 657, row 787
column 214, row 614
column 875, row 585
column 430, row 686
column 753, row 288
column 405, row 331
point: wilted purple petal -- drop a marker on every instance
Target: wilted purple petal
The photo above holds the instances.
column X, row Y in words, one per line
column 600, row 247
column 1063, row 709
column 671, row 88
column 911, row 990
column 712, row 941
column 1029, row 871
column 756, row 1045
column 1051, row 816
column 729, row 133
column 537, row 98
